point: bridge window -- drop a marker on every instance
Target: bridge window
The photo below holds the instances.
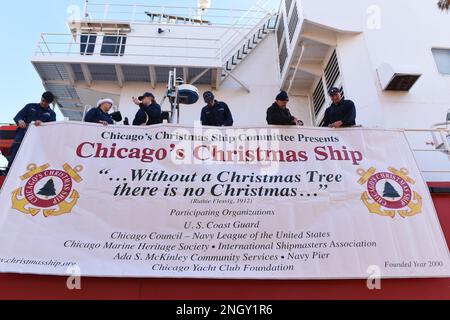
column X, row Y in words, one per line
column 442, row 58
column 87, row 43
column 113, row 45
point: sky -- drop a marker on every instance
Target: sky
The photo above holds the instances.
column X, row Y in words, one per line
column 22, row 22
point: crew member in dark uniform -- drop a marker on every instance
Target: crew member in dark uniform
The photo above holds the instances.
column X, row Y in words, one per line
column 341, row 113
column 33, row 112
column 149, row 112
column 215, row 113
column 279, row 114
column 100, row 114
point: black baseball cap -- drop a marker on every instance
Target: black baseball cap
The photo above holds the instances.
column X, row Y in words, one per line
column 333, row 91
column 146, row 95
column 282, row 96
column 48, row 96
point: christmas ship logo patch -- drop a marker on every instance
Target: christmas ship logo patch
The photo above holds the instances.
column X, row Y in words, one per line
column 390, row 193
column 47, row 190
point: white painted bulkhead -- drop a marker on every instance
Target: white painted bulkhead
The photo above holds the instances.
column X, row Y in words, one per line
column 260, row 72
column 400, row 32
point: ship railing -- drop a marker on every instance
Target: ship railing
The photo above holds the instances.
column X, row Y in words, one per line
column 63, row 44
column 239, row 33
column 136, row 13
column 230, row 47
column 431, row 149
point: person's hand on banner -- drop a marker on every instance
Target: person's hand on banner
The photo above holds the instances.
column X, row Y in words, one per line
column 22, row 124
column 103, row 123
column 337, row 124
column 38, row 123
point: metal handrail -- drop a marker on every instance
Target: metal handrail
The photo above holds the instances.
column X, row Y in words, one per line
column 128, row 45
column 252, row 16
column 444, row 134
column 170, row 7
column 235, row 28
column 51, row 43
column 246, row 37
column 187, row 12
column 86, row 109
column 188, row 18
column 427, row 130
column 135, row 36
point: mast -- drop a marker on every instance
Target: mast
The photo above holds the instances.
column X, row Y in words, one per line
column 203, row 6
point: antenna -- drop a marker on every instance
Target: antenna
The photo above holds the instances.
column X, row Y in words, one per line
column 447, row 121
column 203, row 6
column 86, row 9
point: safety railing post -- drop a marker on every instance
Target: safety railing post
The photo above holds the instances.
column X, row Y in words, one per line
column 105, row 14
column 133, row 17
column 86, row 9
column 46, row 45
column 444, row 135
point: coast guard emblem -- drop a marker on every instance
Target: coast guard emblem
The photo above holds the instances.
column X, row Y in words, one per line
column 389, row 193
column 48, row 190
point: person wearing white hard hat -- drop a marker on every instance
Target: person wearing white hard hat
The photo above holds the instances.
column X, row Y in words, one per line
column 100, row 114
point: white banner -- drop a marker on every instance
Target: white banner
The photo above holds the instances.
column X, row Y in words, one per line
column 242, row 203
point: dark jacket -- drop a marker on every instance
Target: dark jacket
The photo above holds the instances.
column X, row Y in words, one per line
column 96, row 115
column 32, row 112
column 345, row 111
column 218, row 115
column 278, row 116
column 148, row 115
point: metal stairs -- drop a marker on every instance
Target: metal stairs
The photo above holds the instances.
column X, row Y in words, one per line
column 249, row 43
